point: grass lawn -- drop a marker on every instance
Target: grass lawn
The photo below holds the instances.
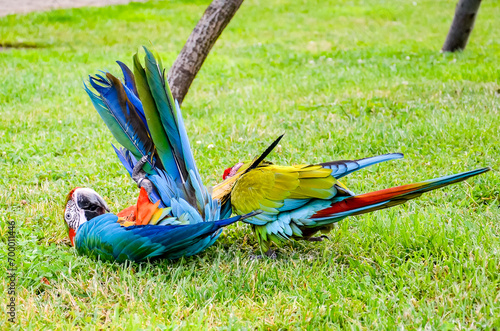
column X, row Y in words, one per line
column 342, row 79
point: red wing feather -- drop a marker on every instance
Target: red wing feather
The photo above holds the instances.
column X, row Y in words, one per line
column 392, row 196
column 368, row 199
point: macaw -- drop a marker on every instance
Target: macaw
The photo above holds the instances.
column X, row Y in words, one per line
column 119, row 238
column 175, row 215
column 299, row 201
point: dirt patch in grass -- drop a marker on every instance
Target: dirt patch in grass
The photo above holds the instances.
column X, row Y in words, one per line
column 25, row 6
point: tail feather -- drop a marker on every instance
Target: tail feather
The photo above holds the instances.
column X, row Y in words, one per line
column 158, row 134
column 129, row 78
column 368, row 202
column 234, row 219
column 165, row 107
column 120, row 115
column 345, row 167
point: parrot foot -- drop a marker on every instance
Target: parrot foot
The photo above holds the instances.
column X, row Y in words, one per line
column 320, row 238
column 270, row 254
column 139, row 175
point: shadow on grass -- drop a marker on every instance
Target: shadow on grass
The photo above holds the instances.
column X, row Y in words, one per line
column 6, row 45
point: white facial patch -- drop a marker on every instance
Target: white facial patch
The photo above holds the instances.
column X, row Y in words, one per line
column 72, row 215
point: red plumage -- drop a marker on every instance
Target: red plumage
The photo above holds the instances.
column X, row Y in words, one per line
column 367, row 199
column 226, row 173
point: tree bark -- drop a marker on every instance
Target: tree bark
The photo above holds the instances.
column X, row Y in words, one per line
column 216, row 17
column 461, row 27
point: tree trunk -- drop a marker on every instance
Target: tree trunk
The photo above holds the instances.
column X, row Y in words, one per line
column 461, row 27
column 199, row 44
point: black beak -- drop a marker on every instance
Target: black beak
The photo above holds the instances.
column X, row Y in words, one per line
column 91, row 203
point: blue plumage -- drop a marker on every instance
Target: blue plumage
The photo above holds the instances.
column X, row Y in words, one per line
column 120, row 115
column 345, row 167
column 172, row 168
column 145, row 119
column 104, row 237
column 128, row 78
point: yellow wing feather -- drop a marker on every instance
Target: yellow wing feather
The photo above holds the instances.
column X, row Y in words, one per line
column 267, row 187
column 261, row 189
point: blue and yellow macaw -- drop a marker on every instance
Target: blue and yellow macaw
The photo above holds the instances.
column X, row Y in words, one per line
column 299, row 201
column 175, row 215
column 135, row 236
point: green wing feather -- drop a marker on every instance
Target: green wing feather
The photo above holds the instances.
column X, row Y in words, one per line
column 165, row 108
column 156, row 129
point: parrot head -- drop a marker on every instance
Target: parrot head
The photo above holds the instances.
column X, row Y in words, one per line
column 82, row 205
column 230, row 172
column 242, row 168
column 222, row 191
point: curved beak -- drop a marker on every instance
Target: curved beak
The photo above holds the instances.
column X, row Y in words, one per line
column 91, row 203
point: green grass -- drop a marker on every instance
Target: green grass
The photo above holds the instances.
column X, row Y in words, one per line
column 343, row 80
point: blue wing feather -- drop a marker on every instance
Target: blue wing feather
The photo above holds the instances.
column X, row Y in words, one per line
column 345, row 167
column 185, row 146
column 176, row 179
column 117, row 114
column 125, row 158
column 128, row 76
column 104, row 237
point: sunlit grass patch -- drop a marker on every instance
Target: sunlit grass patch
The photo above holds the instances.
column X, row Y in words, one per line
column 342, row 80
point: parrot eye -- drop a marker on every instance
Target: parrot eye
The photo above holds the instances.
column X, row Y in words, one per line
column 71, row 214
column 84, row 205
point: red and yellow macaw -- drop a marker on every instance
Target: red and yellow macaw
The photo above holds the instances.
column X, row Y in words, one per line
column 299, row 201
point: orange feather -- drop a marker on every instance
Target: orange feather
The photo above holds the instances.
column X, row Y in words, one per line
column 145, row 208
column 140, row 213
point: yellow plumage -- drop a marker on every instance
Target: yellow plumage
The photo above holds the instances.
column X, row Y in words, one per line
column 267, row 186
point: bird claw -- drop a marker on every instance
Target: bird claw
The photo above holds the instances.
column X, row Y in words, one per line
column 147, row 184
column 139, row 175
column 138, row 166
column 271, row 254
column 320, row 238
